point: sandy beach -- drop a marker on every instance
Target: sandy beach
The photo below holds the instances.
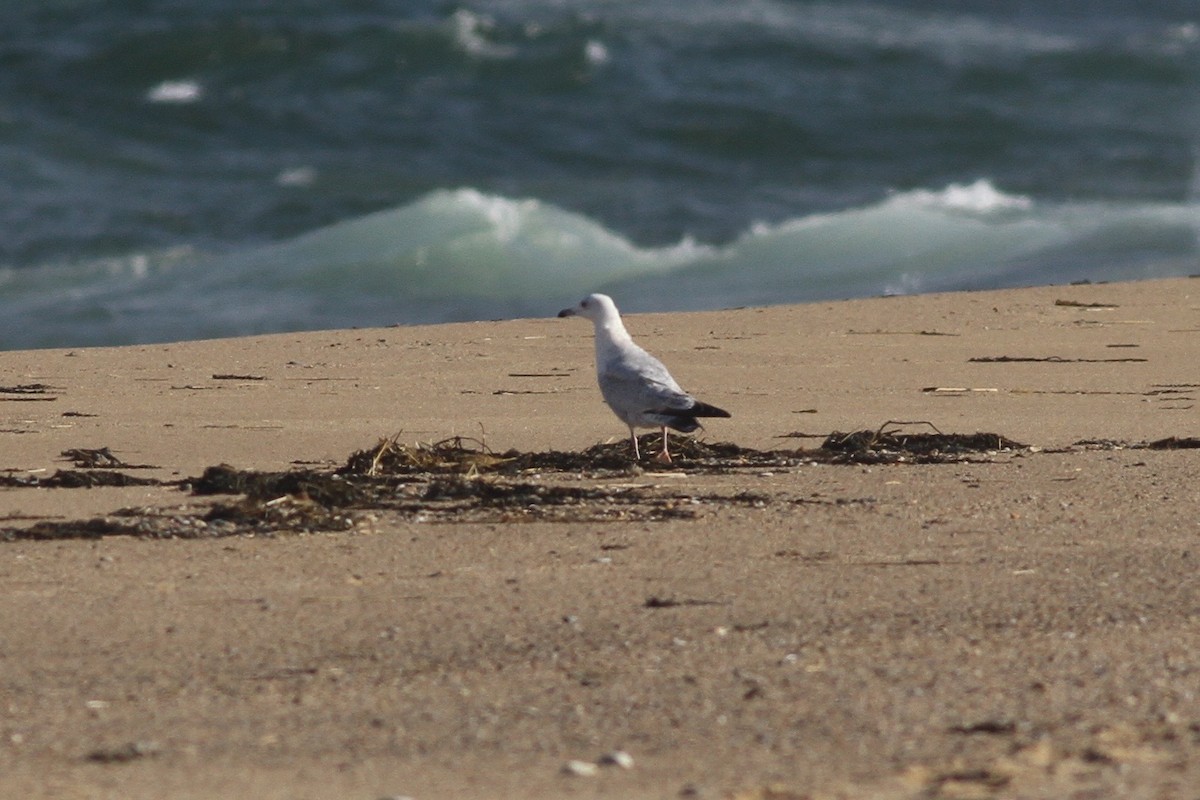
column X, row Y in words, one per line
column 1015, row 621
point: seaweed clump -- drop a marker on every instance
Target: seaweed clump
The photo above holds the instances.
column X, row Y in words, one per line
column 453, row 455
column 77, row 479
column 462, row 456
column 461, row 480
column 1175, row 443
column 885, row 446
column 322, row 488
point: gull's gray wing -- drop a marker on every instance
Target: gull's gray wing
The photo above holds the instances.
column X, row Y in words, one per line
column 638, row 383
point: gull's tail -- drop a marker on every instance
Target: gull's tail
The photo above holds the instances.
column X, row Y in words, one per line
column 685, row 420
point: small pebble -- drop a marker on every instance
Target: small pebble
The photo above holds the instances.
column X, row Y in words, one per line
column 580, row 769
column 617, row 758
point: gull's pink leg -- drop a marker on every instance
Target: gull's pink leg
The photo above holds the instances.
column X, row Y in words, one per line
column 633, row 438
column 664, row 457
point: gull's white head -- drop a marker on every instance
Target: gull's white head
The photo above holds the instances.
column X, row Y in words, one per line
column 596, row 307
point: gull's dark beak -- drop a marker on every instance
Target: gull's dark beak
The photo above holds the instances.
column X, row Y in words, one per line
column 567, row 312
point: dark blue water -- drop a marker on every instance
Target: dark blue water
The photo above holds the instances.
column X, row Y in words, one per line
column 179, row 169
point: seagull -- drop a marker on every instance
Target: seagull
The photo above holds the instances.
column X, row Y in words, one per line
column 635, row 384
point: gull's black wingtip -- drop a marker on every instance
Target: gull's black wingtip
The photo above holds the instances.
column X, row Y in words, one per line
column 706, row 410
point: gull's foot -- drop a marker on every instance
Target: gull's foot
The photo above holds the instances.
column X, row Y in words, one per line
column 663, row 458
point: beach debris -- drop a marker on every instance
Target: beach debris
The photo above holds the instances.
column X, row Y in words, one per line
column 1051, row 360
column 390, row 457
column 1169, row 443
column 322, row 488
column 99, row 458
column 993, row 727
column 94, row 528
column 881, row 332
column 1175, row 443
column 125, row 753
column 74, row 479
column 1181, row 395
column 670, row 602
column 29, row 392
column 285, row 513
column 27, row 388
column 1078, row 304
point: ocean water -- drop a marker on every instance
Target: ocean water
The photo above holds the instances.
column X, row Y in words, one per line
column 175, row 169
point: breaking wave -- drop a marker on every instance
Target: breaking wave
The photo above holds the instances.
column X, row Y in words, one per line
column 456, row 255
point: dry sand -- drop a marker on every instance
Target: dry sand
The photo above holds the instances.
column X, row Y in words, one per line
column 1020, row 624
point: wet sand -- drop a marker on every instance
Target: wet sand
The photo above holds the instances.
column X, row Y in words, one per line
column 1015, row 623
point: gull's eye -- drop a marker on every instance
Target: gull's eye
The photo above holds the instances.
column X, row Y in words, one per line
column 584, row 304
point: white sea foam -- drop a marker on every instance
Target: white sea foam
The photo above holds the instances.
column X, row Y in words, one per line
column 954, row 37
column 980, row 197
column 595, row 52
column 470, row 34
column 297, row 177
column 179, row 92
